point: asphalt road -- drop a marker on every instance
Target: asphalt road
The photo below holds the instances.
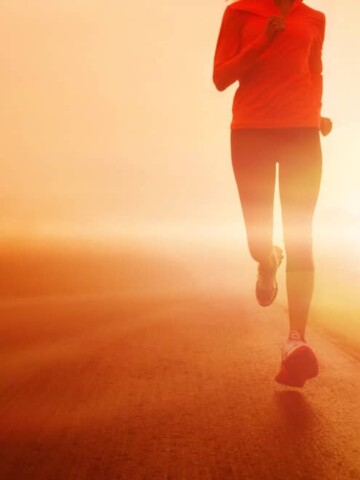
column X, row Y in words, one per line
column 167, row 385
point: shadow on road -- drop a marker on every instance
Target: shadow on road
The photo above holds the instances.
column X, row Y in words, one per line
column 295, row 411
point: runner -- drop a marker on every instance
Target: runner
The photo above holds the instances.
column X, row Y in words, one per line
column 273, row 48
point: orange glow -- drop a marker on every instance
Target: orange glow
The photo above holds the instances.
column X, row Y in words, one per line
column 132, row 345
column 94, row 130
column 111, row 125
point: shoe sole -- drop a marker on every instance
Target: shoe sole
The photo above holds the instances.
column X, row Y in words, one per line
column 269, row 302
column 279, row 255
column 299, row 366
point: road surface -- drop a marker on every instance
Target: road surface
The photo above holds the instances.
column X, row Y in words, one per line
column 167, row 385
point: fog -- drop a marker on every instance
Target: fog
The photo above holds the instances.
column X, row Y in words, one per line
column 110, row 121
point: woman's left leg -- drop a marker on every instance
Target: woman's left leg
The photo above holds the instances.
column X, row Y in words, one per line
column 300, row 167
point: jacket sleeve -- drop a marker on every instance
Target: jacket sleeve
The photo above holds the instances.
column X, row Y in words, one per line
column 231, row 61
column 315, row 62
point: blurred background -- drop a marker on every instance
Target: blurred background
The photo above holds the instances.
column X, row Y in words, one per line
column 115, row 155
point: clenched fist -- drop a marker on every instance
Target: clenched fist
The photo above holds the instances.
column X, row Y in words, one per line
column 275, row 25
column 325, row 126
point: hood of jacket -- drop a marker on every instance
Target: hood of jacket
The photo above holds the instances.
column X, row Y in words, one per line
column 264, row 8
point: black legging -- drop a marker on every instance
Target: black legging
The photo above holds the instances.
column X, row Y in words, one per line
column 255, row 153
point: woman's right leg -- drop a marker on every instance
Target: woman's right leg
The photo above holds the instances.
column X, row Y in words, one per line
column 254, row 164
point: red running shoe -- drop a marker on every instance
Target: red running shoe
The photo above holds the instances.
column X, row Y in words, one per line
column 299, row 362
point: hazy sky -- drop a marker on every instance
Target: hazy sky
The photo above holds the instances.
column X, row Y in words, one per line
column 109, row 114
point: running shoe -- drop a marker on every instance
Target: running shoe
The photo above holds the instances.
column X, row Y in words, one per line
column 266, row 285
column 299, row 362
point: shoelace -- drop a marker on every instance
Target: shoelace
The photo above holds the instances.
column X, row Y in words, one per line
column 294, row 335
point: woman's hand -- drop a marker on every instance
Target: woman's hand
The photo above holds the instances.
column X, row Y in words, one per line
column 275, row 25
column 325, row 126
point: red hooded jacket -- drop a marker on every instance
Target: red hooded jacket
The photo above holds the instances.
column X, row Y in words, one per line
column 280, row 81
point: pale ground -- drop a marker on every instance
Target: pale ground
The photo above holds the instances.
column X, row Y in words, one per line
column 119, row 362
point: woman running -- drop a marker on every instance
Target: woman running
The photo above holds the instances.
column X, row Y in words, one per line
column 274, row 49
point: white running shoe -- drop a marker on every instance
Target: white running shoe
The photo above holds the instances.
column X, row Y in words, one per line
column 299, row 362
column 266, row 285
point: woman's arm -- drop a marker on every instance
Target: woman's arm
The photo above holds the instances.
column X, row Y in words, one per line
column 315, row 63
column 231, row 61
column 316, row 68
